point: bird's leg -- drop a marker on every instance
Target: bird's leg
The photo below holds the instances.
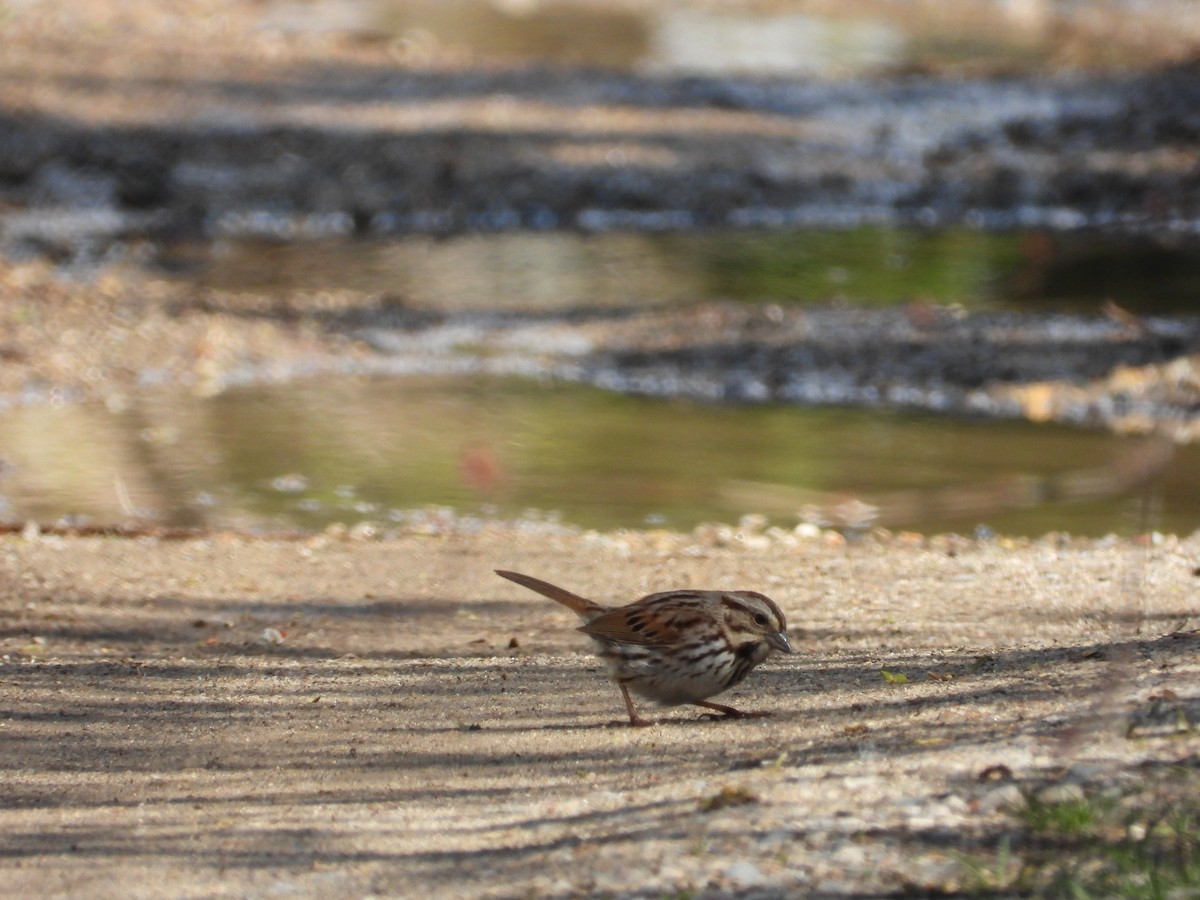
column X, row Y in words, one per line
column 635, row 721
column 729, row 712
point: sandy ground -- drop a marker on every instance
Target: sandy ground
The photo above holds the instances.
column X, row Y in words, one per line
column 223, row 716
column 230, row 717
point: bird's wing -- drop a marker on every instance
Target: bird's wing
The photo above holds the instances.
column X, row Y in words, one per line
column 651, row 621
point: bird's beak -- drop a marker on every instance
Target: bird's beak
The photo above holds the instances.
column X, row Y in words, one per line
column 779, row 641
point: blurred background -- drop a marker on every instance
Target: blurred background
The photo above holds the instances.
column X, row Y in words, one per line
column 382, row 264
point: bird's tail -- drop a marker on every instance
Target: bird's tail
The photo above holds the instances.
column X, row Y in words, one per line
column 574, row 602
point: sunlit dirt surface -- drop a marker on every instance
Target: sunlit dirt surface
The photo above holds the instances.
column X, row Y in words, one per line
column 224, row 717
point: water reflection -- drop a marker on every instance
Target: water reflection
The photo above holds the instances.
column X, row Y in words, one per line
column 702, row 40
column 540, row 271
column 865, row 266
column 571, row 34
column 352, row 450
column 857, row 37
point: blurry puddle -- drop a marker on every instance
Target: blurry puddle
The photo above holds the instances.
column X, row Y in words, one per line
column 306, row 454
column 857, row 37
column 869, row 266
column 354, row 449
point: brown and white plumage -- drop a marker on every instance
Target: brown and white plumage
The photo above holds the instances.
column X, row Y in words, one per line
column 679, row 646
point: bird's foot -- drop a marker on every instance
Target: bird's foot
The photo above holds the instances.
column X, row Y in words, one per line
column 728, row 712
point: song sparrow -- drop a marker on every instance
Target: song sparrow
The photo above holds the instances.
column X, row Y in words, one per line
column 678, row 646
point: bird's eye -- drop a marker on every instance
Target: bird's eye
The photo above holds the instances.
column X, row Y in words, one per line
column 760, row 619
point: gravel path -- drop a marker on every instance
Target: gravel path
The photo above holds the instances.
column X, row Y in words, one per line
column 224, row 716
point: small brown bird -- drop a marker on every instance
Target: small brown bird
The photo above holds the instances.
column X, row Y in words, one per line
column 677, row 646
